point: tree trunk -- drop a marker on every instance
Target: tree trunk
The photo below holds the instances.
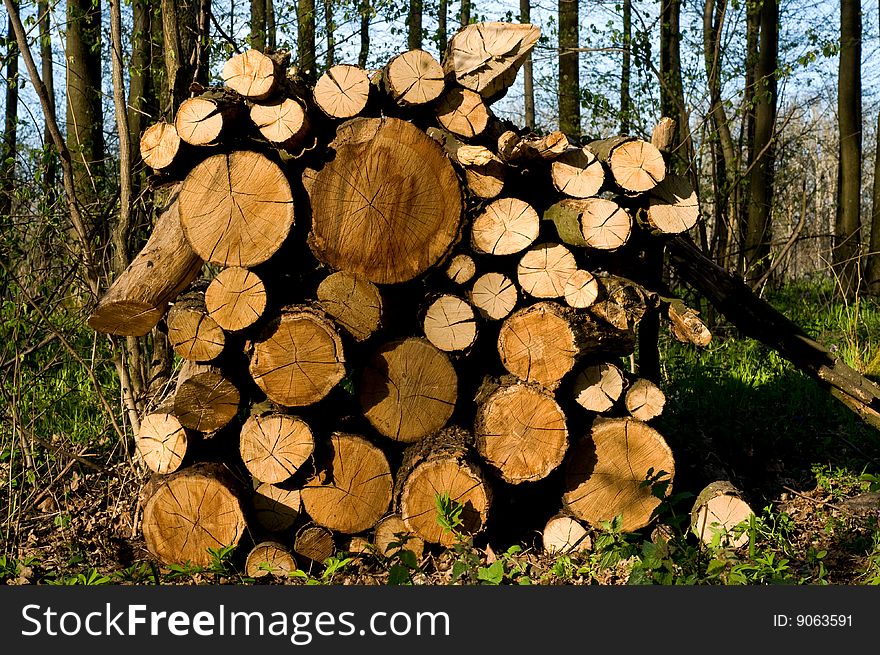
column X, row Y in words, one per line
column 330, row 33
column 50, row 172
column 257, row 37
column 625, row 69
column 762, row 158
column 525, row 16
column 271, row 29
column 671, row 88
column 366, row 13
column 180, row 30
column 442, row 30
column 465, row 13
column 414, row 25
column 873, row 271
column 569, row 69
column 8, row 152
column 305, row 42
column 847, row 224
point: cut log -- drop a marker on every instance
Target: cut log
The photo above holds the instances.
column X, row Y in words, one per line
column 359, row 545
column 484, row 172
column 315, row 543
column 520, row 433
column 591, row 222
column 192, row 333
column 205, row 400
column 299, row 357
column 343, row 91
column 622, row 302
column 577, row 173
column 598, row 387
column 442, row 464
column 644, row 400
column 353, row 301
column 663, row 135
column 506, row 226
column 408, row 389
column 162, row 440
column 673, row 206
column 494, row 295
column 201, row 121
column 636, row 165
column 236, row 209
column 276, row 508
column 461, row 269
column 235, row 298
column 542, row 343
column 534, row 147
column 160, row 144
column 392, row 536
column 251, row 74
column 190, row 511
column 485, row 57
column 283, row 123
column 136, row 301
column 352, row 488
column 269, row 558
column 388, row 206
column 450, row 323
column 544, row 270
column 463, row 112
column 273, row 446
column 606, row 473
column 563, row 535
column 581, row 289
column 718, row 509
column 685, row 323
column 414, row 78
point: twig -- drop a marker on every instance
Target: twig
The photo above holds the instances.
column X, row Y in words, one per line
column 817, row 502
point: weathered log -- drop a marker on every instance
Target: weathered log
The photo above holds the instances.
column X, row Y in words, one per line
column 484, row 172
column 314, row 542
column 591, row 222
column 494, row 295
column 192, row 333
column 663, row 134
column 205, row 400
column 353, row 301
column 685, row 323
column 622, row 302
column 394, row 223
column 718, row 509
column 235, row 298
column 136, row 301
column 533, row 147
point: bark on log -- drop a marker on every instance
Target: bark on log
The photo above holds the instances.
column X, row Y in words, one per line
column 591, row 223
column 533, row 147
column 136, row 301
column 236, row 298
column 719, row 508
column 395, row 224
column 622, row 302
column 685, row 323
column 484, row 172
column 408, row 389
column 606, row 472
column 236, row 209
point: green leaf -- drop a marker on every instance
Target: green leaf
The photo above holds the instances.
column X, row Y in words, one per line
column 493, row 574
column 408, row 559
column 399, row 575
column 459, row 570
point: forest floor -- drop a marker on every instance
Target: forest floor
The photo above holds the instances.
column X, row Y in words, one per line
column 735, row 411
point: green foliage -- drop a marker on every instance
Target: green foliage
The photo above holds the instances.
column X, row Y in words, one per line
column 332, row 566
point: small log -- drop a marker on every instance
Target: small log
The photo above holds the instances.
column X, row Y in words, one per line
column 392, row 530
column 494, row 295
column 351, row 490
column 160, row 145
column 236, row 298
column 408, row 389
column 189, row 511
column 353, row 301
column 252, row 74
column 205, row 400
column 413, row 77
column 269, row 558
column 598, row 387
column 485, row 57
column 450, row 323
column 520, row 432
column 534, row 147
column 283, row 123
column 461, row 269
column 137, row 299
column 564, row 534
column 685, row 323
column 274, row 446
column 343, row 91
column 192, row 333
column 484, row 172
column 359, row 545
column 542, row 343
column 202, row 120
column 622, row 302
column 644, row 400
column 362, row 223
column 315, row 543
column 276, row 508
column 636, row 165
column 162, row 440
column 506, row 226
column 590, row 222
column 606, row 472
column 577, row 173
column 236, row 209
column 544, row 270
column 462, row 112
column 440, row 464
column 299, row 358
column 581, row 289
column 719, row 508
column 672, row 206
column 663, row 135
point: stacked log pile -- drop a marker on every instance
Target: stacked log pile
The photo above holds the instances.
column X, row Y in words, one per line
column 381, row 292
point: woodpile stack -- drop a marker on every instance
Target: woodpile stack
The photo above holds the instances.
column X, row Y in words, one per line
column 381, row 292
